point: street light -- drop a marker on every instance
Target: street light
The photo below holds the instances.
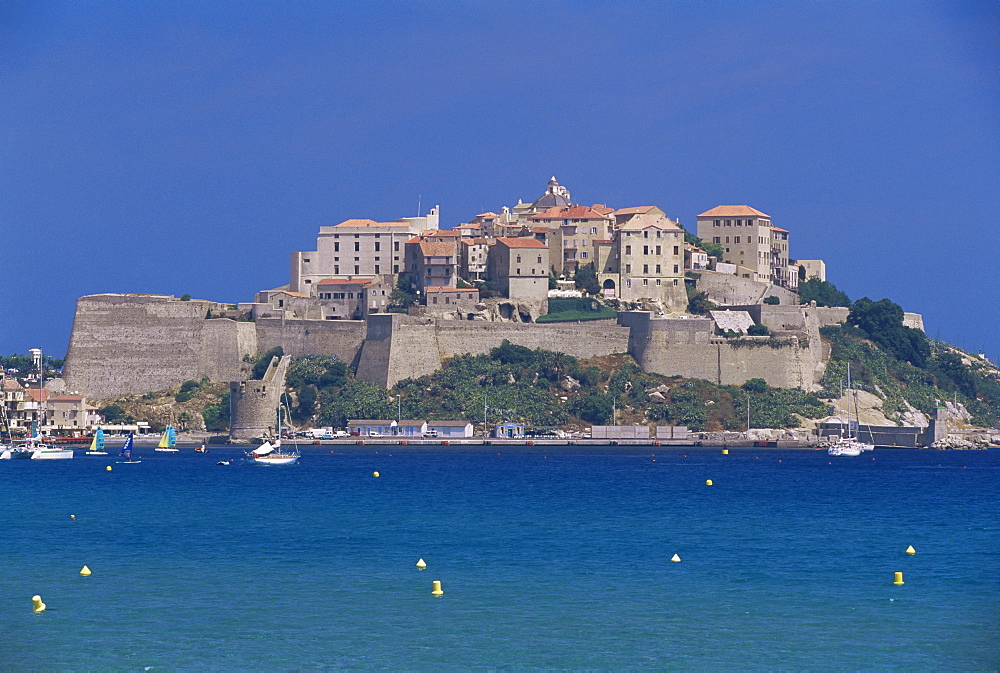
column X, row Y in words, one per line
column 399, row 409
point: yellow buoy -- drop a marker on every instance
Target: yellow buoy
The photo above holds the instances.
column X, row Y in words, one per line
column 725, row 452
column 375, row 474
column 911, row 550
column 708, row 482
column 675, row 558
column 108, row 468
column 84, row 571
column 437, row 588
column 421, row 564
column 37, row 604
column 898, row 578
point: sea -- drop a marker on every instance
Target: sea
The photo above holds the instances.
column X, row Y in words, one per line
column 550, row 558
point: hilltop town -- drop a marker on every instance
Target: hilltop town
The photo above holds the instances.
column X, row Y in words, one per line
column 395, row 300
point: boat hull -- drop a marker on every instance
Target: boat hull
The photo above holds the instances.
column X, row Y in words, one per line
column 272, row 460
column 52, row 454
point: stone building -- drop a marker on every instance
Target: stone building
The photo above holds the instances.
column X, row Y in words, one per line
column 472, row 258
column 519, row 269
column 432, row 263
column 254, row 404
column 751, row 241
column 357, row 248
column 579, row 227
column 815, row 268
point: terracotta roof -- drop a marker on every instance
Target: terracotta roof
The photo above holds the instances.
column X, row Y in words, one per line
column 289, row 292
column 475, row 241
column 38, row 395
column 784, row 231
column 487, row 214
column 733, row 211
column 665, row 224
column 370, row 223
column 437, row 249
column 522, row 242
column 635, row 210
column 469, row 225
column 440, row 232
column 541, row 230
column 570, row 213
column 345, row 281
column 604, row 240
column 66, row 398
column 11, row 385
column 434, row 289
column 602, row 209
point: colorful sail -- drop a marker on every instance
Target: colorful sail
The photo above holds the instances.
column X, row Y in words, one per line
column 168, row 438
column 97, row 444
column 127, row 449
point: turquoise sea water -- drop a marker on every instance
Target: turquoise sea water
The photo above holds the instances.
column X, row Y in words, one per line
column 550, row 558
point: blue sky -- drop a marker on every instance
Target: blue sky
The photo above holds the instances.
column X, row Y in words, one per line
column 189, row 147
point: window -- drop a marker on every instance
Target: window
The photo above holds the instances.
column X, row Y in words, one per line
column 628, row 268
column 306, row 260
column 395, row 268
column 677, row 249
column 378, row 246
column 308, row 281
column 628, row 249
column 628, row 282
column 336, row 269
column 657, row 250
column 518, row 259
column 357, row 235
column 645, row 282
column 357, row 269
column 357, row 246
column 645, row 233
column 593, row 230
column 645, row 249
column 675, row 281
column 518, row 272
column 728, row 223
column 657, row 269
column 676, row 270
column 539, row 259
column 727, row 239
column 717, row 223
column 657, row 282
column 377, row 269
column 736, row 240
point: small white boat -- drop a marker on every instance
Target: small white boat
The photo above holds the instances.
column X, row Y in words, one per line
column 272, row 454
column 167, row 440
column 40, row 451
column 847, row 444
column 97, row 444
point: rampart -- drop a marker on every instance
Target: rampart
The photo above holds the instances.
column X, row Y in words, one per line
column 127, row 343
column 254, row 404
column 727, row 289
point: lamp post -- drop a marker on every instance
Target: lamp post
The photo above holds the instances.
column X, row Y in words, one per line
column 399, row 409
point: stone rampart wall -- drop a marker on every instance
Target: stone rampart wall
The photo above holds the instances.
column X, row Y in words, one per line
column 729, row 290
column 342, row 338
column 136, row 343
column 254, row 404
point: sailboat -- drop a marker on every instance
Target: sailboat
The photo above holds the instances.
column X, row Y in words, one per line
column 167, row 440
column 270, row 453
column 97, row 444
column 848, row 444
column 126, row 452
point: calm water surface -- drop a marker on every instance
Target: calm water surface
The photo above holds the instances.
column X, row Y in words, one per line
column 549, row 559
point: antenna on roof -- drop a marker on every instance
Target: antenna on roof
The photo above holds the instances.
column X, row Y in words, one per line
column 419, row 199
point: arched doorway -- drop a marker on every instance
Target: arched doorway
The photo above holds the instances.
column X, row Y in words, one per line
column 609, row 288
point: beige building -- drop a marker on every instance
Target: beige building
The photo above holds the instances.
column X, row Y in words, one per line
column 357, row 248
column 472, row 258
column 650, row 261
column 815, row 268
column 579, row 227
column 432, row 263
column 751, row 241
column 519, row 269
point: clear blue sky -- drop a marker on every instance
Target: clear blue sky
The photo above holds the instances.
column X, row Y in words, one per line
column 189, row 147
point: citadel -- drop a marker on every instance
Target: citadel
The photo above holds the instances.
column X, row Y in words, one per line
column 477, row 284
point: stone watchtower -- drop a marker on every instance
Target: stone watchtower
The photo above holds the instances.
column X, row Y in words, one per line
column 254, row 404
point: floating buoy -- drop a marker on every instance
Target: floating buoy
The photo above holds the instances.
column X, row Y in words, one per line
column 375, row 474
column 37, row 604
column 437, row 588
column 708, row 482
column 73, row 517
column 911, row 550
column 421, row 564
column 675, row 558
column 84, row 571
column 725, row 452
column 898, row 578
column 108, row 468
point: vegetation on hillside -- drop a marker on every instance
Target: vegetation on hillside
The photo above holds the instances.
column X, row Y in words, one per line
column 573, row 309
column 822, row 292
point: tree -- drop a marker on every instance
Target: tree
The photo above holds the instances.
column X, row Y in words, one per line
column 403, row 295
column 755, row 385
column 585, row 279
column 596, row 409
column 112, row 413
column 261, row 364
column 823, row 293
column 217, row 415
column 185, row 297
column 757, row 330
column 698, row 302
column 882, row 321
column 772, row 300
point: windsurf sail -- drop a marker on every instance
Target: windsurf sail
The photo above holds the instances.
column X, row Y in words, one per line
column 127, row 449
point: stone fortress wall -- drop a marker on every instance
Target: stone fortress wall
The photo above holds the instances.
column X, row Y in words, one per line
column 139, row 343
column 254, row 404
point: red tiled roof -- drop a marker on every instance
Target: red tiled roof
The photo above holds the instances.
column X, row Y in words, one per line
column 474, row 241
column 66, row 398
column 784, row 231
column 522, row 242
column 441, row 288
column 635, row 210
column 38, row 395
column 602, row 209
column 437, row 249
column 345, row 281
column 370, row 223
column 489, row 214
column 12, row 385
column 541, row 230
column 469, row 225
column 733, row 211
column 439, row 232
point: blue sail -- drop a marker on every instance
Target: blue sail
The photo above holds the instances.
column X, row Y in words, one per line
column 171, row 436
column 127, row 449
column 98, row 443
